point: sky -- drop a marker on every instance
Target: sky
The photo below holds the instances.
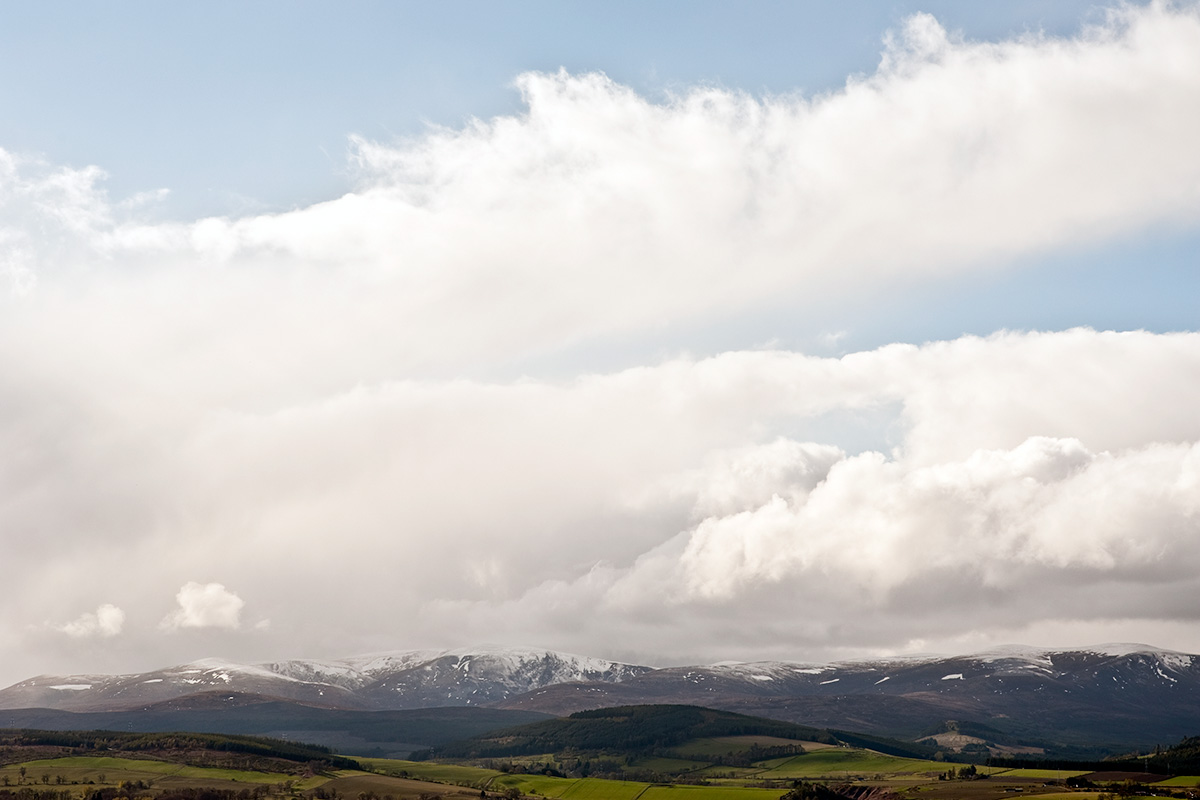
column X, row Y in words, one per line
column 667, row 333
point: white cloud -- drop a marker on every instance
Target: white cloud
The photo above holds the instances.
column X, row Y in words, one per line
column 203, row 398
column 107, row 621
column 666, row 508
column 599, row 212
column 876, row 526
column 208, row 605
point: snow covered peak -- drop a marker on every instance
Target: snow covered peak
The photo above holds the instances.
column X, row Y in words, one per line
column 1042, row 655
column 218, row 666
column 1015, row 652
column 1117, row 649
column 1168, row 658
column 390, row 661
column 521, row 657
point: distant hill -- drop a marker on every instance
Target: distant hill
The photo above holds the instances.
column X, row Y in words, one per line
column 365, row 733
column 196, row 749
column 637, row 731
column 1016, row 701
column 1087, row 703
column 1182, row 758
column 401, row 680
column 627, row 729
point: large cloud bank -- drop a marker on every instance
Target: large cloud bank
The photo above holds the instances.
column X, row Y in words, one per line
column 312, row 407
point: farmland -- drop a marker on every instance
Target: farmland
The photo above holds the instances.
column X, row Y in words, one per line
column 645, row 753
column 83, row 777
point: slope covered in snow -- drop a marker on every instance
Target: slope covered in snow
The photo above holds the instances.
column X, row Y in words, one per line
column 401, row 679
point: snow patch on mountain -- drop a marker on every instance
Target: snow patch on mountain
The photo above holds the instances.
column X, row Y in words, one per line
column 220, row 669
column 492, row 675
column 1170, row 659
column 1016, row 652
column 765, row 670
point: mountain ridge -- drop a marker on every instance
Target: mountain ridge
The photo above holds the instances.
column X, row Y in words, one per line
column 1112, row 696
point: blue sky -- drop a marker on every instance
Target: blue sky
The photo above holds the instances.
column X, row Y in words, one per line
column 626, row 329
column 238, row 109
column 230, row 104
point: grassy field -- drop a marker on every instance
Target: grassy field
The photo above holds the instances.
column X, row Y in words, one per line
column 600, row 789
column 162, row 775
column 846, row 762
column 679, row 792
column 1046, row 774
column 391, row 779
column 353, row 784
column 912, row 778
column 81, row 769
column 1083, row 796
column 595, row 789
column 432, row 771
column 717, row 772
column 673, row 766
column 545, row 785
column 730, row 745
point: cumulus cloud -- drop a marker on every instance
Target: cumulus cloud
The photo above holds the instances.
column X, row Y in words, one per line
column 329, row 389
column 106, row 621
column 599, row 212
column 665, row 509
column 208, row 605
column 875, row 526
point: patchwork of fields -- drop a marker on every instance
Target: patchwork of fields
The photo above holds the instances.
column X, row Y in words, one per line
column 90, row 777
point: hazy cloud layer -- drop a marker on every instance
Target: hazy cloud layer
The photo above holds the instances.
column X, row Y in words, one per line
column 105, row 621
column 314, row 407
column 658, row 510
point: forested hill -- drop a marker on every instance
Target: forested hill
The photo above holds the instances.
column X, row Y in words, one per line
column 627, row 729
column 199, row 749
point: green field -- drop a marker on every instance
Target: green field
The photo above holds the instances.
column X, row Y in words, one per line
column 1083, row 796
column 351, row 784
column 845, row 762
column 721, row 773
column 74, row 777
column 729, row 745
column 600, row 789
column 672, row 766
column 432, row 771
column 545, row 785
column 596, row 789
column 80, row 769
column 1045, row 774
column 678, row 792
column 163, row 775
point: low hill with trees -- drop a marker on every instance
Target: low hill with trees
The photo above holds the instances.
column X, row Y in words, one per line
column 642, row 730
column 194, row 749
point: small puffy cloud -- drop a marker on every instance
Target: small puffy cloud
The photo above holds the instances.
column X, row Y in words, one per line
column 208, row 605
column 106, row 621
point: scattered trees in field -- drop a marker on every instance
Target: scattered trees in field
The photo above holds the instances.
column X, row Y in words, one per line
column 967, row 773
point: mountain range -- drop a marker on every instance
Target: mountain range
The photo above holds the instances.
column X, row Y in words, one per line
column 1014, row 700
